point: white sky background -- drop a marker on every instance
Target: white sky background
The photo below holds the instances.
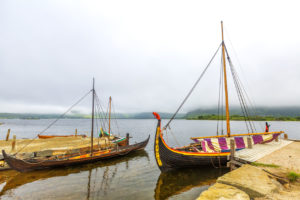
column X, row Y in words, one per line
column 145, row 54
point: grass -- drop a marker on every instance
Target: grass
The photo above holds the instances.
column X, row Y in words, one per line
column 241, row 118
column 264, row 165
column 293, row 176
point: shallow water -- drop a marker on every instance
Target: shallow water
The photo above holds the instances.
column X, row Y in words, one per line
column 135, row 176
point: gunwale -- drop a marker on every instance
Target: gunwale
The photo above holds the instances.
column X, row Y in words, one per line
column 26, row 165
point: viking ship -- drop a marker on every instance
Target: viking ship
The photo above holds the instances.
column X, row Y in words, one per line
column 30, row 164
column 121, row 141
column 81, row 157
column 211, row 150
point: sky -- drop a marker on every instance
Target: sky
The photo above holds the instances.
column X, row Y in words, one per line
column 145, row 54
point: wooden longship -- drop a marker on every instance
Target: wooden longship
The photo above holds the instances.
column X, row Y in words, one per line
column 121, row 149
column 212, row 150
column 121, row 141
column 24, row 165
column 168, row 158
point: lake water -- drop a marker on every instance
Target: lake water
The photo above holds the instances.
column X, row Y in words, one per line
column 135, row 176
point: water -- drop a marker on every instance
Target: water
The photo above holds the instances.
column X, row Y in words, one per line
column 135, row 176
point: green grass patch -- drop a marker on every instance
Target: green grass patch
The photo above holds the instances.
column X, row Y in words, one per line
column 264, row 165
column 293, row 176
column 241, row 118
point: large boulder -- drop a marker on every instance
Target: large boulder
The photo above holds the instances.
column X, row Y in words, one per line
column 221, row 191
column 252, row 180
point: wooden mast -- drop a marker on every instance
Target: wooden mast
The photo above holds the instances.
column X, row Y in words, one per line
column 92, row 132
column 225, row 83
column 109, row 115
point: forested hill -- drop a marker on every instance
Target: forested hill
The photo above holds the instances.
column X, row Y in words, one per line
column 259, row 111
column 143, row 115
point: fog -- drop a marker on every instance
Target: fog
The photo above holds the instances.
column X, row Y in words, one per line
column 145, row 54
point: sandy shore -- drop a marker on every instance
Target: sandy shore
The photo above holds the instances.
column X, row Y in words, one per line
column 287, row 157
column 261, row 183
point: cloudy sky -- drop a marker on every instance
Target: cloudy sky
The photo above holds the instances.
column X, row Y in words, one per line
column 145, row 54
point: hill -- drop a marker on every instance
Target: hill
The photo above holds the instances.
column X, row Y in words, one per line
column 288, row 111
column 144, row 115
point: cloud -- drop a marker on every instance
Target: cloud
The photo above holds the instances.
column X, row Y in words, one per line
column 145, row 54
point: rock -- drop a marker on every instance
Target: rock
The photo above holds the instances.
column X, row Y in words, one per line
column 221, row 191
column 252, row 180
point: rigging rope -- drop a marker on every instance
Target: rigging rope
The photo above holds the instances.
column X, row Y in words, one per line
column 220, row 100
column 115, row 118
column 62, row 115
column 195, row 84
column 100, row 112
column 51, row 124
column 251, row 101
column 239, row 88
column 173, row 136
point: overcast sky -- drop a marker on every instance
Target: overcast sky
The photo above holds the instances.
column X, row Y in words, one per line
column 145, row 54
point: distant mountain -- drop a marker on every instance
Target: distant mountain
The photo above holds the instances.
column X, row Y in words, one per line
column 149, row 115
column 260, row 111
column 144, row 115
column 291, row 111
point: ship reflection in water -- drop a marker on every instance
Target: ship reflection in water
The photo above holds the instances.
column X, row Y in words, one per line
column 98, row 179
column 174, row 183
column 130, row 177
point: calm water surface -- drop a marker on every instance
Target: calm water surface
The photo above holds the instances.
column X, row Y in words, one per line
column 132, row 177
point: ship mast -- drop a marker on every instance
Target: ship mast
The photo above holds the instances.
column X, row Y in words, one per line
column 109, row 115
column 225, row 83
column 92, row 132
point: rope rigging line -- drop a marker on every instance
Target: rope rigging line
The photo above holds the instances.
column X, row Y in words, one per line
column 242, row 99
column 62, row 115
column 100, row 110
column 115, row 118
column 52, row 123
column 173, row 136
column 222, row 98
column 219, row 99
column 252, row 107
column 195, row 84
column 251, row 101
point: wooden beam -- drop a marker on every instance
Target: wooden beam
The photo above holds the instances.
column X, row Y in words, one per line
column 249, row 143
column 245, row 134
column 13, row 144
column 232, row 152
column 7, row 134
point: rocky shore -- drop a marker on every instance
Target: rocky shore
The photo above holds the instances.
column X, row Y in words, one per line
column 266, row 181
column 251, row 182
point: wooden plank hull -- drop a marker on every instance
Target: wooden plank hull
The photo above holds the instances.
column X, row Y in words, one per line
column 123, row 142
column 54, row 136
column 34, row 164
column 168, row 158
column 180, row 159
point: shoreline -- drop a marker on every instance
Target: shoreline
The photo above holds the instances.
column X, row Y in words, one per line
column 275, row 176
